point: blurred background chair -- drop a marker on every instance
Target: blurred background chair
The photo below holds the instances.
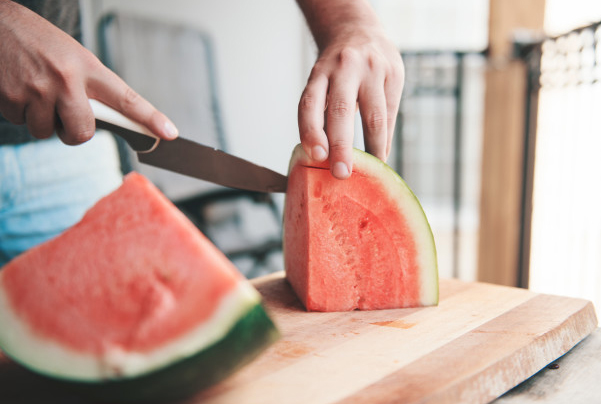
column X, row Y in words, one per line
column 172, row 66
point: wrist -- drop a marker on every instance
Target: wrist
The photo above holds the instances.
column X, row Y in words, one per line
column 335, row 21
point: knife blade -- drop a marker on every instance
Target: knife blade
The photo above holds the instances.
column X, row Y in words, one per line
column 187, row 157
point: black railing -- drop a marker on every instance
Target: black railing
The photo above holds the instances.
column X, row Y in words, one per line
column 431, row 132
column 572, row 60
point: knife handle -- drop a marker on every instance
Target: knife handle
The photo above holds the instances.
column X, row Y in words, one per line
column 137, row 136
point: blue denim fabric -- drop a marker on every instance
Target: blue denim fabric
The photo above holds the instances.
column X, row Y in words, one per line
column 47, row 186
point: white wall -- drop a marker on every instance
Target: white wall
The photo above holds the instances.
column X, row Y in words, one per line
column 564, row 15
column 435, row 24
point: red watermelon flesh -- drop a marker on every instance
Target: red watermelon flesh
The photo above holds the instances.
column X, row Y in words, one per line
column 132, row 287
column 360, row 243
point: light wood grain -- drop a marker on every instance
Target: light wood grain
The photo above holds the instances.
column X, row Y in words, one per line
column 503, row 142
column 481, row 341
column 478, row 343
column 506, row 16
column 502, row 165
column 573, row 378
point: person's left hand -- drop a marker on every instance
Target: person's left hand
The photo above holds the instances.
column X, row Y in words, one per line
column 361, row 69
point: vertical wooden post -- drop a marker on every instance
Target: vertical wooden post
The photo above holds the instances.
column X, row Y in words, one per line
column 503, row 143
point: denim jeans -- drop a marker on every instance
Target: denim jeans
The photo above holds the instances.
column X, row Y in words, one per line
column 47, row 186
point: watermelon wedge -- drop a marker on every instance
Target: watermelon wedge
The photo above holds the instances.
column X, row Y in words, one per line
column 361, row 243
column 131, row 304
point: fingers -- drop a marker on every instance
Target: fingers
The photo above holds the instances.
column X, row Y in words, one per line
column 311, row 117
column 393, row 88
column 368, row 75
column 114, row 92
column 392, row 109
column 76, row 119
column 72, row 118
column 342, row 101
column 375, row 118
column 43, row 116
column 40, row 118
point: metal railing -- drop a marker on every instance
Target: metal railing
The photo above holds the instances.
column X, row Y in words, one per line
column 438, row 126
column 561, row 232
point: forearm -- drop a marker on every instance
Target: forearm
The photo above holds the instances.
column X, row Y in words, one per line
column 331, row 19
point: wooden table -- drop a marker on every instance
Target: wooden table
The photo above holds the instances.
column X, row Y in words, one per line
column 573, row 378
column 480, row 342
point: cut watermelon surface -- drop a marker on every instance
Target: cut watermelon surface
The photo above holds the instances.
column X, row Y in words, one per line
column 360, row 243
column 133, row 300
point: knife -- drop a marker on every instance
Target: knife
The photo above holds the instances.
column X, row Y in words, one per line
column 186, row 157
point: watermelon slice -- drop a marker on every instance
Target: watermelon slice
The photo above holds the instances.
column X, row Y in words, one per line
column 361, row 243
column 132, row 303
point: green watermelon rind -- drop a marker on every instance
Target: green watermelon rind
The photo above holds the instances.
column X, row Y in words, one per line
column 407, row 200
column 47, row 356
column 252, row 334
column 248, row 337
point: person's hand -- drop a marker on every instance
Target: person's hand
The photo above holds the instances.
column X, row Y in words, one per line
column 47, row 78
column 357, row 66
column 359, row 69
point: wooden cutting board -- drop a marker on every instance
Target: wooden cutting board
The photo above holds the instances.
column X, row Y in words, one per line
column 480, row 341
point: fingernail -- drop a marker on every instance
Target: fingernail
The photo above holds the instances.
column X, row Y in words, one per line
column 318, row 153
column 340, row 170
column 170, row 130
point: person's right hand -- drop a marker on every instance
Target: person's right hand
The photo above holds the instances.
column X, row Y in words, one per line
column 47, row 78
